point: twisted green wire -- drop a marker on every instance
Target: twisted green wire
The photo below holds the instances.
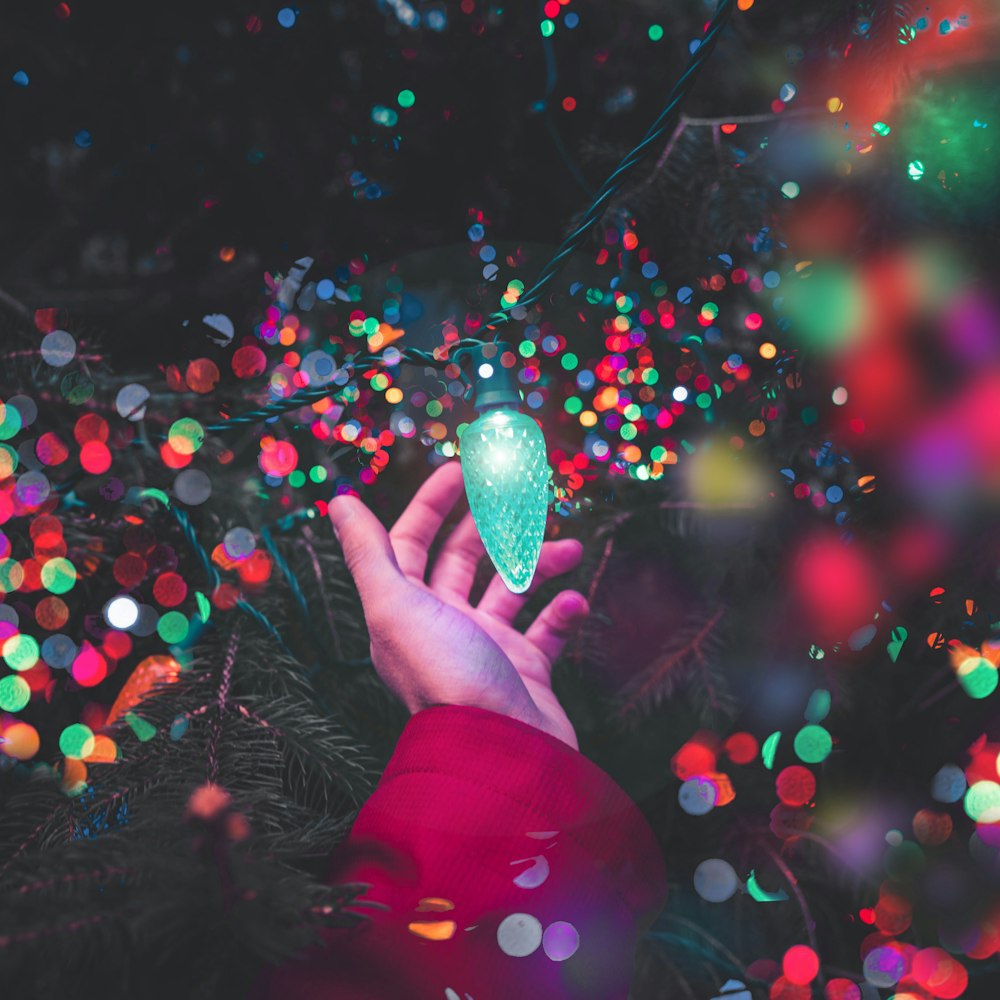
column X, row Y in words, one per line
column 611, row 186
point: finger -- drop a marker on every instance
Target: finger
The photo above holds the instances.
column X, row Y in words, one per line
column 556, row 557
column 557, row 622
column 457, row 562
column 418, row 525
column 367, row 549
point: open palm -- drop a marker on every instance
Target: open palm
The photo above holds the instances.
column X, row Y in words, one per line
column 428, row 642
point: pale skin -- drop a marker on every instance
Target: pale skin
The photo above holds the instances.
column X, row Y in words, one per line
column 429, row 644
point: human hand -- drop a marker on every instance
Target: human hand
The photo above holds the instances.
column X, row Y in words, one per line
column 428, row 643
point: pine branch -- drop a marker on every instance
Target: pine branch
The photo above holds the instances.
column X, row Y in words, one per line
column 688, row 648
column 136, row 886
column 321, row 757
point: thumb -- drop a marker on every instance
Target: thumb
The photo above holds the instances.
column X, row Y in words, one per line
column 366, row 546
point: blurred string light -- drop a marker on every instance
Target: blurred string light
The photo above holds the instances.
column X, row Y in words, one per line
column 512, row 496
column 405, row 12
column 551, row 9
column 122, row 612
column 614, row 181
column 946, row 130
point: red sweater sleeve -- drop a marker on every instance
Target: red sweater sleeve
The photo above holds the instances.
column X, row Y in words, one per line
column 511, row 865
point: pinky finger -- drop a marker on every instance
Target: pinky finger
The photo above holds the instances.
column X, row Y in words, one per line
column 557, row 622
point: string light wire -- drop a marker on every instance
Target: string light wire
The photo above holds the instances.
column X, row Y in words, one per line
column 611, row 186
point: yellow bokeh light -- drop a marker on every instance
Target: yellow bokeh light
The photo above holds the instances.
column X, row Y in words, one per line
column 433, row 930
column 606, row 399
column 435, row 903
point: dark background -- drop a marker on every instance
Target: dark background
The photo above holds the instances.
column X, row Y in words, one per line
column 209, row 130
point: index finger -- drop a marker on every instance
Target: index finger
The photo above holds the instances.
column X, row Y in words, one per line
column 418, row 525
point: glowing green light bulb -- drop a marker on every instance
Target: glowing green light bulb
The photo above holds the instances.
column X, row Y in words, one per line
column 506, row 474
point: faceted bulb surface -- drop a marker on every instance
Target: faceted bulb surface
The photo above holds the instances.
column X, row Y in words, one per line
column 507, row 482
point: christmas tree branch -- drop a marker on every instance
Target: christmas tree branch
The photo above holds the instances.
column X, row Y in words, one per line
column 665, row 665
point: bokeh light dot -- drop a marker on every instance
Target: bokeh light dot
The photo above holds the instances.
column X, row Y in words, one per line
column 91, row 427
column 169, row 589
column 173, row 627
column 741, row 748
column 932, row 828
column 10, row 422
column 948, row 784
column 185, row 436
column 76, row 741
column 560, row 941
column 89, row 666
column 202, row 375
column 59, row 651
column 15, row 693
column 278, row 458
column 58, row 348
column 20, row 651
column 795, row 785
column 121, row 612
column 982, row 802
column 812, row 744
column 131, row 401
column 95, row 457
column 192, row 487
column 939, row 973
column 800, row 964
column 20, row 741
column 58, row 575
column 250, row 361
column 841, row 989
column 883, row 967
column 239, row 542
column 978, row 677
column 519, row 935
column 715, row 880
column 697, row 796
